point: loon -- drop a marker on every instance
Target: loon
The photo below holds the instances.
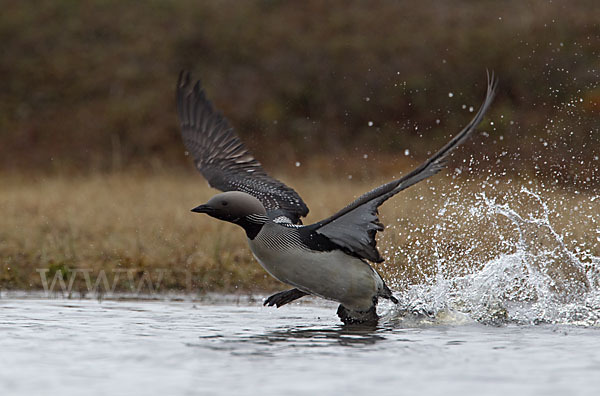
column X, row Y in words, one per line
column 329, row 258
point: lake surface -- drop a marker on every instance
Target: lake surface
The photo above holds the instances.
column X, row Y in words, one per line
column 224, row 346
column 523, row 321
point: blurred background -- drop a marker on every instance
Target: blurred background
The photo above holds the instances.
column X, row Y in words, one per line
column 342, row 90
column 89, row 86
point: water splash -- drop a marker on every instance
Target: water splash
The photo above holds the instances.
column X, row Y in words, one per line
column 534, row 276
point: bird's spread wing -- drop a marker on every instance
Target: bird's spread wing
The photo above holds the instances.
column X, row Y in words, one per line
column 354, row 227
column 222, row 157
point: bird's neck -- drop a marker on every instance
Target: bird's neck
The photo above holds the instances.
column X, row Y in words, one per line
column 252, row 224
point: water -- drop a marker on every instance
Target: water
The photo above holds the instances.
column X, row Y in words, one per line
column 57, row 346
column 532, row 274
column 520, row 315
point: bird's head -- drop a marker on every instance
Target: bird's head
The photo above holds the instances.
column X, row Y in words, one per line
column 232, row 206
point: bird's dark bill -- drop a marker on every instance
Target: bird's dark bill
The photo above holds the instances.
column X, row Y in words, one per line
column 202, row 209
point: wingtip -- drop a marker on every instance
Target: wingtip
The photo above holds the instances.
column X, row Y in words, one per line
column 184, row 78
column 198, row 91
column 492, row 82
column 184, row 81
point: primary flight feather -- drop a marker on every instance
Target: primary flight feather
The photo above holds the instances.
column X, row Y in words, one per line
column 328, row 258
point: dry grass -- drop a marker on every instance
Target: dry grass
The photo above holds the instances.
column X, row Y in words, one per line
column 140, row 226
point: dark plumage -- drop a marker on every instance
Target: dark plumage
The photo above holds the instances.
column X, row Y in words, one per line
column 221, row 156
column 327, row 258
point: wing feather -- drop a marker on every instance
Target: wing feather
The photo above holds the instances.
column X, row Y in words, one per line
column 355, row 226
column 222, row 157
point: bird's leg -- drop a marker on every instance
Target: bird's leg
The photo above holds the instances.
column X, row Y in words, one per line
column 350, row 317
column 284, row 297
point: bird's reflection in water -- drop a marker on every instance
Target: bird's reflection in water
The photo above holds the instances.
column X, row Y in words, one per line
column 346, row 335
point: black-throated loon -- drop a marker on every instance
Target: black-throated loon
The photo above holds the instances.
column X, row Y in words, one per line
column 326, row 259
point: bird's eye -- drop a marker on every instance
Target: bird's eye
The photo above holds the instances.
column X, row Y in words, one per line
column 224, row 203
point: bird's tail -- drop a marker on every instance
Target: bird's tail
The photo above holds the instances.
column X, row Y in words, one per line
column 387, row 294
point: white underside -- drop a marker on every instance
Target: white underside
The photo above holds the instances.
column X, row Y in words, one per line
column 332, row 275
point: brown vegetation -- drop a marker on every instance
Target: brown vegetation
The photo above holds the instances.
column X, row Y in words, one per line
column 141, row 225
column 89, row 85
column 92, row 171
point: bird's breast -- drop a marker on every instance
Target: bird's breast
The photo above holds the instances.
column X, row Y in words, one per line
column 330, row 274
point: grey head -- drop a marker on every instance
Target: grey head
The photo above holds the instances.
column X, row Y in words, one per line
column 235, row 207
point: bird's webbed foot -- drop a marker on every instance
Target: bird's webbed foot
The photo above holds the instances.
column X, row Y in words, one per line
column 350, row 317
column 284, row 297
